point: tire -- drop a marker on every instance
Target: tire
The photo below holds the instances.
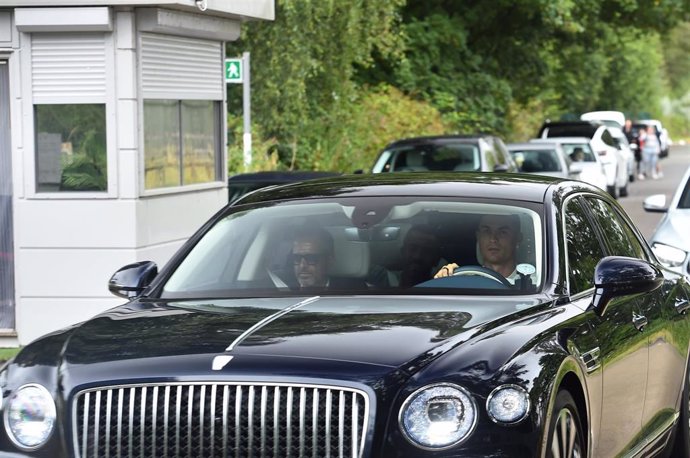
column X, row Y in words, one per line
column 566, row 435
column 623, row 192
column 681, row 443
column 613, row 190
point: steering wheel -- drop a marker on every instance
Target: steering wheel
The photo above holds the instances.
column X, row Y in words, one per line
column 482, row 272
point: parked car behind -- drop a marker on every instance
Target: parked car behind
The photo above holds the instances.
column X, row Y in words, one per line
column 465, row 153
column 615, row 120
column 548, row 159
column 242, row 183
column 615, row 161
column 626, row 149
column 671, row 238
column 590, row 169
column 582, row 351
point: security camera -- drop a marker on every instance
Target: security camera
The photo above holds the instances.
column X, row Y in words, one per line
column 201, row 4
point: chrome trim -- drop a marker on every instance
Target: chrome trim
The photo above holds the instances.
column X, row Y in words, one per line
column 305, row 420
column 496, row 390
column 591, row 359
column 657, row 433
column 268, row 320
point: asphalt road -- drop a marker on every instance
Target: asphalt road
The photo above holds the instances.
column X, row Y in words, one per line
column 673, row 168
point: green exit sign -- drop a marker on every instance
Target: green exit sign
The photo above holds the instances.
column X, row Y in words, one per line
column 233, row 70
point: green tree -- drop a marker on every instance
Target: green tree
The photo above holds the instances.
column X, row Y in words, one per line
column 302, row 65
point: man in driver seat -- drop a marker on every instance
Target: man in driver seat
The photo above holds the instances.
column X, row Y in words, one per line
column 498, row 237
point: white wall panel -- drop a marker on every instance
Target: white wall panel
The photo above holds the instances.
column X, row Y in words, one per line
column 175, row 217
column 127, row 132
column 62, row 273
column 125, row 70
column 128, row 164
column 56, row 314
column 76, row 224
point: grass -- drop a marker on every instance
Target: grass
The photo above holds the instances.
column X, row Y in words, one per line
column 7, row 353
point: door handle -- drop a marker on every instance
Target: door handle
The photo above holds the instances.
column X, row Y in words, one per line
column 639, row 321
column 682, row 306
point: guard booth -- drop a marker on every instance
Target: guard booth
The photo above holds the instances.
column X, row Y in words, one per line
column 112, row 145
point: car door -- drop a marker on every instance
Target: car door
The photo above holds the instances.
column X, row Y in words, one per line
column 623, row 351
column 666, row 353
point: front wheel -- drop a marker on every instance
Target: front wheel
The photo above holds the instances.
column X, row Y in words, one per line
column 566, row 437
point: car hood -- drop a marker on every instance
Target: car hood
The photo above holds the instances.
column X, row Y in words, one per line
column 673, row 229
column 281, row 334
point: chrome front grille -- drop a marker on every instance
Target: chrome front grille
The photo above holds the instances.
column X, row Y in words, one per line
column 220, row 420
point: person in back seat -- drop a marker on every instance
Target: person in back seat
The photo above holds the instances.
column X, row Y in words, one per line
column 421, row 255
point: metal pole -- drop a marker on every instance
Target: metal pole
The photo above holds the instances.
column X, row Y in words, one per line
column 246, row 111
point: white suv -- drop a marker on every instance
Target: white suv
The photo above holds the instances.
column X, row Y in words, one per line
column 615, row 160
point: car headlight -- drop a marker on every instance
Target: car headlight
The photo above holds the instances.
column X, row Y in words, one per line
column 438, row 416
column 669, row 255
column 30, row 416
column 508, row 404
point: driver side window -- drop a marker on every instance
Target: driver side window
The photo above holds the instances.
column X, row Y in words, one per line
column 583, row 249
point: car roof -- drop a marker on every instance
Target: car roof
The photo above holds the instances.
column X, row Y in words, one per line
column 546, row 145
column 470, row 138
column 561, row 140
column 279, row 176
column 421, row 184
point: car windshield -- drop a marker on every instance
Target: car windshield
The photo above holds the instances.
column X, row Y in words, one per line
column 460, row 156
column 535, row 161
column 382, row 245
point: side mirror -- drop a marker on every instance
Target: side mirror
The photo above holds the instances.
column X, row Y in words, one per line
column 655, row 203
column 131, row 280
column 617, row 276
column 358, row 172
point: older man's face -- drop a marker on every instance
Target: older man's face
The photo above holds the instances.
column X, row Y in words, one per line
column 498, row 237
column 310, row 263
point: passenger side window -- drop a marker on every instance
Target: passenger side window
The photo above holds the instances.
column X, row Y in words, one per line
column 619, row 237
column 583, row 250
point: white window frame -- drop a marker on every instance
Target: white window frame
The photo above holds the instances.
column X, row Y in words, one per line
column 177, row 96
column 30, row 101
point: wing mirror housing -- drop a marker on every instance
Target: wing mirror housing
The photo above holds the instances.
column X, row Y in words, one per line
column 131, row 280
column 655, row 203
column 617, row 276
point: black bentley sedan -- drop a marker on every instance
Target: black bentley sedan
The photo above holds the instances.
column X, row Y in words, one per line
column 402, row 315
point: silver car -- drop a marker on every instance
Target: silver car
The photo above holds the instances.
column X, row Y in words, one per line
column 590, row 169
column 671, row 238
column 542, row 159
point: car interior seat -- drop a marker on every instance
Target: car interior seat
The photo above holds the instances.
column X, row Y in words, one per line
column 414, row 162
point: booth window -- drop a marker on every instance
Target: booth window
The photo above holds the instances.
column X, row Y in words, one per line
column 181, row 142
column 71, row 151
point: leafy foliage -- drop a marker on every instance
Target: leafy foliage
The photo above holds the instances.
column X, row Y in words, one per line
column 334, row 81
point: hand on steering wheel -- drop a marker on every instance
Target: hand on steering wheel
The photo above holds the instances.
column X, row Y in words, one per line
column 482, row 272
